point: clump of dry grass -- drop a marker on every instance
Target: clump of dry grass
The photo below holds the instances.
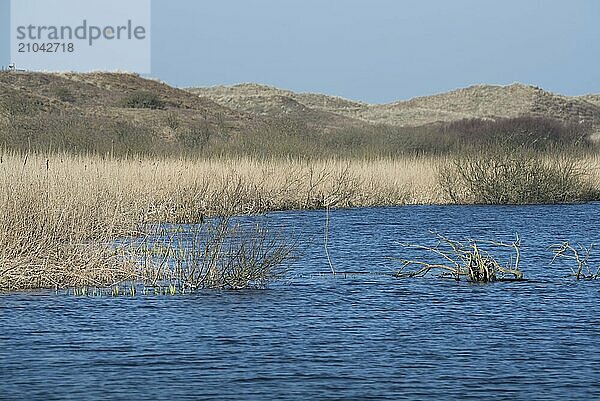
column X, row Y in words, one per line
column 219, row 253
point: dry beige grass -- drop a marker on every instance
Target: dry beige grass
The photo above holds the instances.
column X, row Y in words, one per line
column 57, row 212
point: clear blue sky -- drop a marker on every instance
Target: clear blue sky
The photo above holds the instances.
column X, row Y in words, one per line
column 374, row 50
column 4, row 32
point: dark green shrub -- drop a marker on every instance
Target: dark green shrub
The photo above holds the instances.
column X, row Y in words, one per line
column 142, row 100
column 64, row 95
column 172, row 121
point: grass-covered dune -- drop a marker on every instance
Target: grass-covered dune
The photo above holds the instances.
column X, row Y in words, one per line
column 124, row 114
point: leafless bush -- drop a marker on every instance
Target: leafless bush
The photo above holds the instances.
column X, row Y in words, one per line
column 529, row 132
column 514, row 177
column 218, row 254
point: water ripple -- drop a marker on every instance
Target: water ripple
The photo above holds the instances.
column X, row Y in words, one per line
column 368, row 337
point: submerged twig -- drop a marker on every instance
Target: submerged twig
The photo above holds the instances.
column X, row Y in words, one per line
column 327, row 238
column 580, row 254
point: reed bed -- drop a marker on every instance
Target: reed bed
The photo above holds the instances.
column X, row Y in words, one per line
column 60, row 213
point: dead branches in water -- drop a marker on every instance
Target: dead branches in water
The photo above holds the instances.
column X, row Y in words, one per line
column 467, row 259
column 580, row 255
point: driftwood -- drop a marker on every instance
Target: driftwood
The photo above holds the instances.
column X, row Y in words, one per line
column 464, row 259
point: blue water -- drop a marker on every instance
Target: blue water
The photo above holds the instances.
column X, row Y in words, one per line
column 312, row 336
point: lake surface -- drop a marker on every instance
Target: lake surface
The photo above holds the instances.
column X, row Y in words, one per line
column 312, row 336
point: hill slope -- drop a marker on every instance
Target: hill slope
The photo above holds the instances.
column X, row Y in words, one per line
column 86, row 111
column 484, row 101
column 318, row 111
column 101, row 92
column 479, row 101
column 124, row 113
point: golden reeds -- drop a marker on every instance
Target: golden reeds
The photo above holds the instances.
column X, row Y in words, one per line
column 60, row 214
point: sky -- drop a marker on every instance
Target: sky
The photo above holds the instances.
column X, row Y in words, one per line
column 373, row 50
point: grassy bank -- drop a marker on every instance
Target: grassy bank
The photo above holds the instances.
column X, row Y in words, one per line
column 59, row 213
